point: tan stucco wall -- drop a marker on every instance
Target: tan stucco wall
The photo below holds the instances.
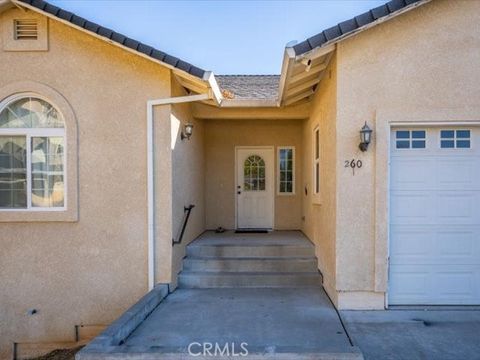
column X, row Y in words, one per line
column 91, row 270
column 419, row 66
column 221, row 137
column 188, row 162
column 320, row 210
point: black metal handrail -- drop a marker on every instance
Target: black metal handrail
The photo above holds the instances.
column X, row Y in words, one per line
column 186, row 210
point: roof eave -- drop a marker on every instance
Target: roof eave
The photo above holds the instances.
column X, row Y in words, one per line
column 311, row 53
column 327, row 48
column 175, row 70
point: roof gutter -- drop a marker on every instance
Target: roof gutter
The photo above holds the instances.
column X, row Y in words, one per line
column 216, row 93
column 151, row 173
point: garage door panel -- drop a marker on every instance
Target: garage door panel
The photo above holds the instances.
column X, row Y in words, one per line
column 432, row 285
column 434, row 207
column 410, row 245
column 457, row 173
column 409, row 284
column 435, row 224
column 411, row 207
column 457, row 207
column 438, row 244
column 457, row 247
column 455, row 285
column 412, row 174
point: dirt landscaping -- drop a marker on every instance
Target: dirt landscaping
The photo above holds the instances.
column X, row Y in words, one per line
column 60, row 354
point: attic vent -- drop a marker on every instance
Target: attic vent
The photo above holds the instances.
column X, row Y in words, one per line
column 25, row 29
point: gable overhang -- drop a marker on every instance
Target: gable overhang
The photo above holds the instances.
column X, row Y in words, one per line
column 301, row 75
column 201, row 82
column 302, row 71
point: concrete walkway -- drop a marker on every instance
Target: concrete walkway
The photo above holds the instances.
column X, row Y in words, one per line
column 248, row 323
column 415, row 334
column 269, row 321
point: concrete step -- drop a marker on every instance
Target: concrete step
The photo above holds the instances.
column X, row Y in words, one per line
column 200, row 279
column 251, row 251
column 280, row 264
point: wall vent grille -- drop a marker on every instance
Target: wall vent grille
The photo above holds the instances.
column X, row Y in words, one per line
column 25, row 29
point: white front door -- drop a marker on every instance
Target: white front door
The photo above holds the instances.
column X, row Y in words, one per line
column 255, row 187
column 435, row 216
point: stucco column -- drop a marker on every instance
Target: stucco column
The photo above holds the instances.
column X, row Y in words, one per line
column 163, row 193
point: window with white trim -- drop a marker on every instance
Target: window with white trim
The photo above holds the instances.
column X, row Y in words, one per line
column 32, row 155
column 410, row 139
column 316, row 160
column 286, row 170
column 455, row 139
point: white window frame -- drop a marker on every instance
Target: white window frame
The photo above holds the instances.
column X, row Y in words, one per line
column 28, row 133
column 410, row 139
column 454, row 139
column 316, row 161
column 279, row 148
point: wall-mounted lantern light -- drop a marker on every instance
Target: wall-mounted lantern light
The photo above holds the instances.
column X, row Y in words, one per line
column 187, row 131
column 365, row 137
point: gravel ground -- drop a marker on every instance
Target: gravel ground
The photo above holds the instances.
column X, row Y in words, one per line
column 60, row 354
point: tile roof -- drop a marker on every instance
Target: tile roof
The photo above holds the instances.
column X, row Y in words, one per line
column 335, row 32
column 116, row 37
column 250, row 87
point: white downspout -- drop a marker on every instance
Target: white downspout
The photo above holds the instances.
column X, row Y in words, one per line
column 151, row 174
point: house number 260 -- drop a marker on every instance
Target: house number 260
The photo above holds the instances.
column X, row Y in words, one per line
column 353, row 164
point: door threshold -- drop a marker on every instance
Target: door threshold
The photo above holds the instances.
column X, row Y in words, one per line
column 252, row 231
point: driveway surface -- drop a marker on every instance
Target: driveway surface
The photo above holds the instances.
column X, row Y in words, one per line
column 415, row 334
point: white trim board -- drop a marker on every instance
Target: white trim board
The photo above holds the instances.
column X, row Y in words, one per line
column 277, row 173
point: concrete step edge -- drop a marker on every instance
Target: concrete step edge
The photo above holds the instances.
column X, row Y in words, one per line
column 306, row 246
column 249, row 273
column 258, row 252
column 247, row 258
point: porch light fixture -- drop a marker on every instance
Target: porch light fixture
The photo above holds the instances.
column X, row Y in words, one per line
column 187, row 131
column 365, row 137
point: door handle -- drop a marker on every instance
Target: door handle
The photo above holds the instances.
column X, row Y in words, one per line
column 239, row 192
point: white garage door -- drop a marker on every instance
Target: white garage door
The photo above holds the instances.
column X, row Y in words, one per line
column 435, row 216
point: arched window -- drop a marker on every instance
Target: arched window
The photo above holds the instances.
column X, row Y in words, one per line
column 254, row 173
column 32, row 154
